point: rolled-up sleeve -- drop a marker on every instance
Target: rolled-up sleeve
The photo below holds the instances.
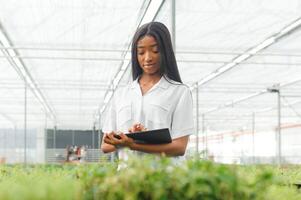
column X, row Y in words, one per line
column 182, row 118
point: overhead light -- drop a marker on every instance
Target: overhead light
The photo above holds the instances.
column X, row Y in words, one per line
column 225, row 68
column 124, row 65
column 238, row 60
column 274, row 88
column 117, row 79
column 108, row 97
column 262, row 45
column 269, row 41
column 207, row 78
column 290, row 27
column 3, row 39
column 103, row 108
column 233, row 102
column 241, row 58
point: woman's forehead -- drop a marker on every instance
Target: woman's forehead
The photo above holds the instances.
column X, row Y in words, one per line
column 147, row 40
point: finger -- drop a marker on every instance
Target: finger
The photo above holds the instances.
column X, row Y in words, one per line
column 123, row 136
column 106, row 136
column 141, row 128
column 117, row 135
column 135, row 126
column 111, row 134
column 111, row 137
column 126, row 140
column 108, row 141
column 116, row 140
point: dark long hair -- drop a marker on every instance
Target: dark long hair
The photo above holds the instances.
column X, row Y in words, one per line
column 168, row 64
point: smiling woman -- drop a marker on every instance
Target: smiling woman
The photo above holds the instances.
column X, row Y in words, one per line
column 155, row 99
column 148, row 55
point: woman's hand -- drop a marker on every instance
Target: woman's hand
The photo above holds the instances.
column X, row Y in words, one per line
column 136, row 128
column 122, row 140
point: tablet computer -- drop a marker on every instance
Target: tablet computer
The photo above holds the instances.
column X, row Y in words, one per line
column 156, row 136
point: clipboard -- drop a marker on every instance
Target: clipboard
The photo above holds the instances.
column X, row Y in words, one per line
column 156, row 136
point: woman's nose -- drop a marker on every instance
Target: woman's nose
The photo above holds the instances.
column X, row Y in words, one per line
column 148, row 57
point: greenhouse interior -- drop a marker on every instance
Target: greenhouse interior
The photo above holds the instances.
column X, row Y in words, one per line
column 62, row 63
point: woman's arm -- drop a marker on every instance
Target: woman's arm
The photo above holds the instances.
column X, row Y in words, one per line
column 105, row 147
column 176, row 148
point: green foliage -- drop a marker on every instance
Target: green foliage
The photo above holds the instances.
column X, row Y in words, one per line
column 38, row 182
column 283, row 180
column 159, row 178
column 148, row 178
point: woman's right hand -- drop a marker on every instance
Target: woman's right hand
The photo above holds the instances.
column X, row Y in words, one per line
column 121, row 140
column 137, row 127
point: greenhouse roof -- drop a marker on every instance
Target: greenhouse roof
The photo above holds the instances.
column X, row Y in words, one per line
column 237, row 55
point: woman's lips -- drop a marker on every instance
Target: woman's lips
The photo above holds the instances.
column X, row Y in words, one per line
column 149, row 65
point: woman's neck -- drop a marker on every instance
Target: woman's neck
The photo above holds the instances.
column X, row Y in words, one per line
column 147, row 82
column 149, row 79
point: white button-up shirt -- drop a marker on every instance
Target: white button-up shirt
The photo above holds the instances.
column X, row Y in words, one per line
column 168, row 104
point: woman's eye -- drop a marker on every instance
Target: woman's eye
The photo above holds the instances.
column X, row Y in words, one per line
column 140, row 53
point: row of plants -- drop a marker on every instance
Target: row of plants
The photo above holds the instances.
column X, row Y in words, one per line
column 146, row 178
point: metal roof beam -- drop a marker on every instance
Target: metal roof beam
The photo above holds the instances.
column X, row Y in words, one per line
column 22, row 71
column 289, row 29
column 231, row 103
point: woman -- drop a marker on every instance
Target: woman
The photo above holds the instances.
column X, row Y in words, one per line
column 155, row 99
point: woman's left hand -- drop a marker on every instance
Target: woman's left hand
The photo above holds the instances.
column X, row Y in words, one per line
column 110, row 138
column 137, row 127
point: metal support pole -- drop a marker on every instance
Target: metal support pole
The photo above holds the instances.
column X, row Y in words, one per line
column 173, row 24
column 15, row 139
column 279, row 129
column 93, row 133
column 253, row 138
column 54, row 137
column 25, row 121
column 45, row 132
column 276, row 89
column 45, row 122
column 73, row 137
column 99, row 132
column 206, row 137
column 45, row 137
column 197, row 119
column 5, row 144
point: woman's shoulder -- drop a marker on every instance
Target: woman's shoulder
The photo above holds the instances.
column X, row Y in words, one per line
column 178, row 85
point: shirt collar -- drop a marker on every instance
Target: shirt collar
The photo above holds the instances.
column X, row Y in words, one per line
column 163, row 83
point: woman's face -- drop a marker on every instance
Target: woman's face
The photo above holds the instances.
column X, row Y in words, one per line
column 148, row 55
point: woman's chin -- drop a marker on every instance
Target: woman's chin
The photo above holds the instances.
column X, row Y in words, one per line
column 151, row 73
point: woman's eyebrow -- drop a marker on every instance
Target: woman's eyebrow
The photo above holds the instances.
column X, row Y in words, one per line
column 152, row 45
